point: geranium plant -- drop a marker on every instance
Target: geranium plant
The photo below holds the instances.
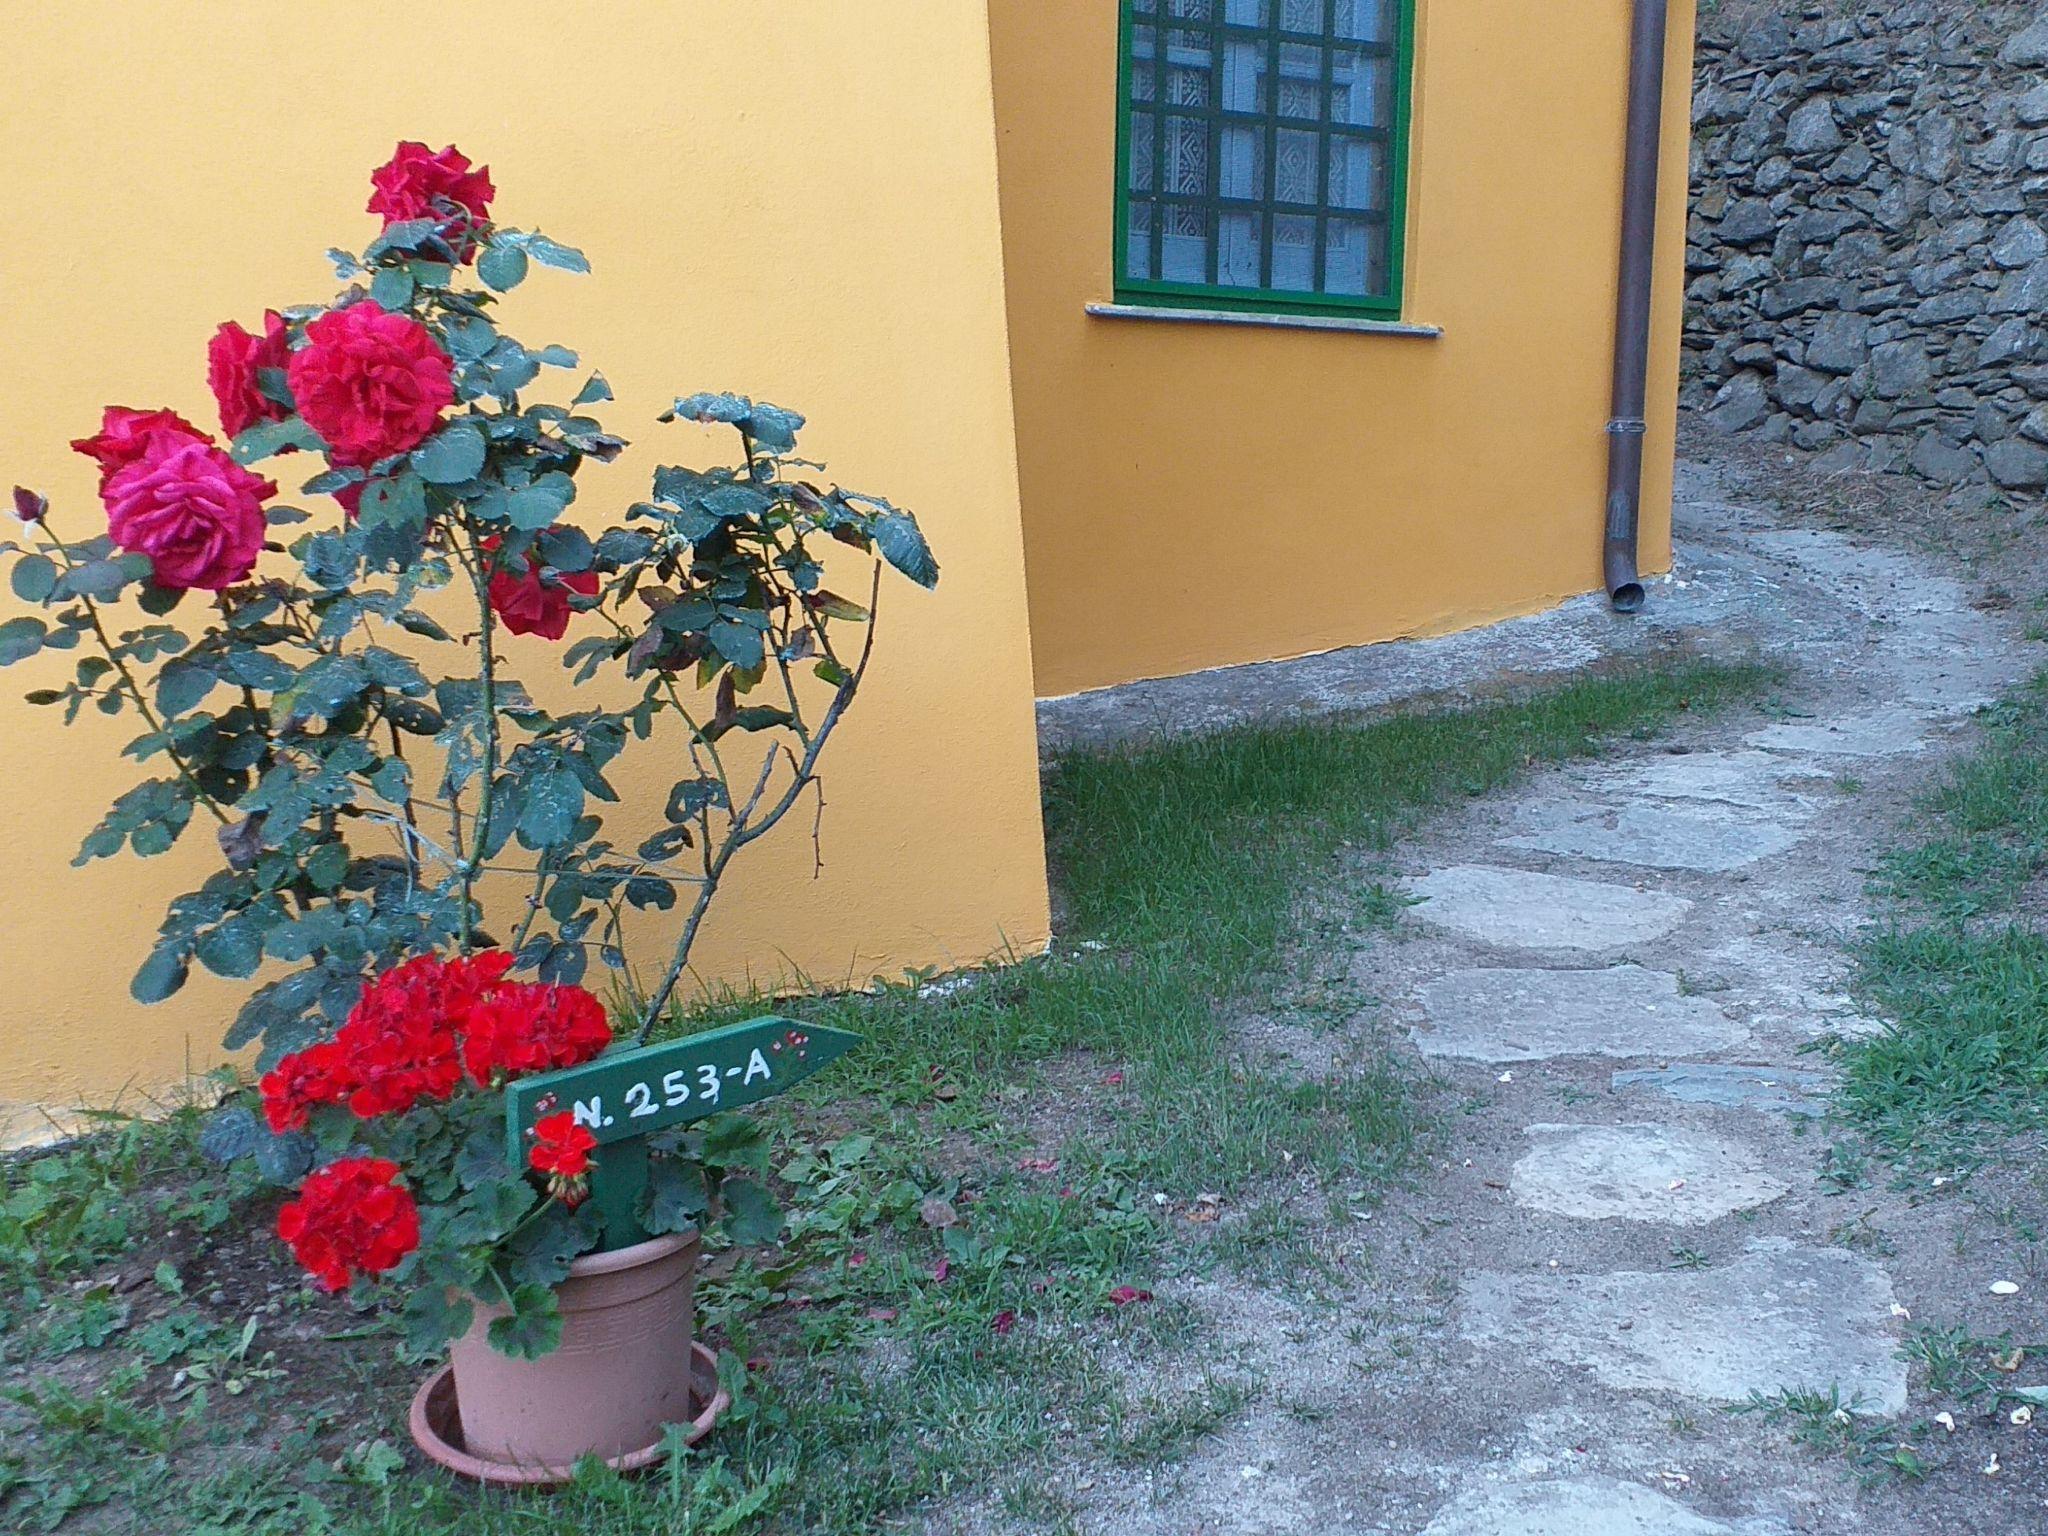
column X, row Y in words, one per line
column 326, row 688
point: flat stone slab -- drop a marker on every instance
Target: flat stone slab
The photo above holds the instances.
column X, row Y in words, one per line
column 1521, row 909
column 1651, row 836
column 1657, row 1173
column 1780, row 1090
column 1593, row 1506
column 1751, row 779
column 1885, row 733
column 1526, row 1015
column 1780, row 1317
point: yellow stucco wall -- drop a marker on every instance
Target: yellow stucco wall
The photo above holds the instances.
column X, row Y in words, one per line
column 1198, row 495
column 793, row 200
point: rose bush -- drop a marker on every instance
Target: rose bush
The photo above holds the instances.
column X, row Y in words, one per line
column 327, row 686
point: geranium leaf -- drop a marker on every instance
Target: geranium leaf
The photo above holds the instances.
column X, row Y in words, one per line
column 433, row 1315
column 532, row 1328
column 752, row 1218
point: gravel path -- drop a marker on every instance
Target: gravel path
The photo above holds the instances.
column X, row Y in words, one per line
column 1617, row 971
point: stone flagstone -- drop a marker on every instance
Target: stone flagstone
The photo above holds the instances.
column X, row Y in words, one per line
column 1519, row 908
column 1782, row 1090
column 1651, row 836
column 1884, row 733
column 1779, row 1317
column 1592, row 1506
column 1750, row 778
column 1641, row 1172
column 1500, row 1014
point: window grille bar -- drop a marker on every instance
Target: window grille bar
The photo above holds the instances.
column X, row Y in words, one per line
column 1274, row 174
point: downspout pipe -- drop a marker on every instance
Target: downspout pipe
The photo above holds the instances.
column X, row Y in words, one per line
column 1625, row 425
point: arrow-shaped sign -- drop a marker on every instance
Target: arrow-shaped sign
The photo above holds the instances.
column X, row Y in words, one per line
column 624, row 1096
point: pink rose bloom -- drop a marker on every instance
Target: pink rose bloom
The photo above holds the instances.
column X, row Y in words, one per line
column 194, row 511
column 232, row 360
column 126, row 433
column 532, row 605
column 417, row 183
column 370, row 382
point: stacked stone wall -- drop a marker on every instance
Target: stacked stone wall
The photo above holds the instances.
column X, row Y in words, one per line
column 1867, row 267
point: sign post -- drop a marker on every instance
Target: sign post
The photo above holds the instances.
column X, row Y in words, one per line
column 624, row 1096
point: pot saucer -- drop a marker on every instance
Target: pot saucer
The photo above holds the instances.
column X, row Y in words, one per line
column 437, row 1430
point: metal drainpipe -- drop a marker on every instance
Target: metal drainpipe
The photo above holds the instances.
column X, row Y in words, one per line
column 1632, row 302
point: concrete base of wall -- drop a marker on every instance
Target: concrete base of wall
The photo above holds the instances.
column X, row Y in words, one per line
column 1723, row 598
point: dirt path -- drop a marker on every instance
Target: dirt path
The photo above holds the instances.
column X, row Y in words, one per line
column 1618, row 972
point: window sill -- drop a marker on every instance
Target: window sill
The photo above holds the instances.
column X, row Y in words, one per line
column 1261, row 317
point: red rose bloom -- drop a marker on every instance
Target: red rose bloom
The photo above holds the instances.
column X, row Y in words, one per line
column 416, row 183
column 194, row 511
column 232, row 360
column 351, row 1218
column 533, row 604
column 125, row 433
column 317, row 1075
column 527, row 1027
column 370, row 382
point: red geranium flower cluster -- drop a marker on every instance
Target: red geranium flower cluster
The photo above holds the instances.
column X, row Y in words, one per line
column 417, row 1026
column 561, row 1150
column 419, row 183
column 351, row 1218
column 522, row 1029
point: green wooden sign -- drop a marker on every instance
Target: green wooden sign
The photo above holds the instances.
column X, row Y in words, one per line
column 624, row 1096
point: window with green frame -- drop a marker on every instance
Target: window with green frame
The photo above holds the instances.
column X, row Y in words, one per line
column 1262, row 152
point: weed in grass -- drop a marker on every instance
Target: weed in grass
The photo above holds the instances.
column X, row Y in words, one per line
column 1158, row 1430
column 1862, row 1233
column 1845, row 1168
column 1958, row 1365
column 1826, row 1422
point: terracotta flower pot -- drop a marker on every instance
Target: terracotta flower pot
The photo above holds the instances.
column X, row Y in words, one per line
column 623, row 1370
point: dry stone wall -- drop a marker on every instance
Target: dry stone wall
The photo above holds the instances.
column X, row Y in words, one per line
column 1867, row 263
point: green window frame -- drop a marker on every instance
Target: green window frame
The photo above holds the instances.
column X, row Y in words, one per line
column 1262, row 154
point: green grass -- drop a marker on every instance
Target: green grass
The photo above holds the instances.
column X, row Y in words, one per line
column 1069, row 1108
column 1958, row 963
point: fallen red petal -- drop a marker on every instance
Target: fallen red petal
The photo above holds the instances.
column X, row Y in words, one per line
column 1124, row 1295
column 1003, row 1322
